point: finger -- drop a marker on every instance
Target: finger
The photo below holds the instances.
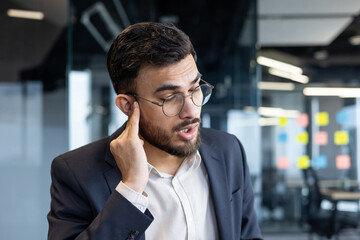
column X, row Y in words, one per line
column 133, row 122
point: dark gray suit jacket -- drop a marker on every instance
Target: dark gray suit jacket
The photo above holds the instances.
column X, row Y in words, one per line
column 85, row 205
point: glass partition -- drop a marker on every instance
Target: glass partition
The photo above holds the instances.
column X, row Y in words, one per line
column 56, row 93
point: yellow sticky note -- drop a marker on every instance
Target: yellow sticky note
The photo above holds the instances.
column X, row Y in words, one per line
column 322, row 119
column 341, row 138
column 303, row 138
column 303, row 162
column 283, row 121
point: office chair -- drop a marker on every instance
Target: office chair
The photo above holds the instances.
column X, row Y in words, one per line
column 272, row 197
column 324, row 223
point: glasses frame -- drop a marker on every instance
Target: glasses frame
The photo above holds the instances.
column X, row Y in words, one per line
column 184, row 97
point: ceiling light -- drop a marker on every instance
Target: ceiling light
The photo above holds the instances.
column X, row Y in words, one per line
column 349, row 96
column 291, row 69
column 339, row 92
column 25, row 14
column 263, row 122
column 277, row 112
column 279, row 86
column 297, row 78
column 355, row 40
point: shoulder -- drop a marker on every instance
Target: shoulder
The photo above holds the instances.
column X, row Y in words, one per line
column 93, row 153
column 220, row 138
column 225, row 145
column 222, row 142
column 97, row 148
column 86, row 160
column 210, row 132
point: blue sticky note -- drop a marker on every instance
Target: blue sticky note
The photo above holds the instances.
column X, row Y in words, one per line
column 342, row 117
column 282, row 137
column 320, row 162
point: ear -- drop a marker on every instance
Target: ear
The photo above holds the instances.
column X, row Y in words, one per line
column 124, row 103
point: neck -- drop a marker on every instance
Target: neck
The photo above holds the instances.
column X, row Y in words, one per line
column 161, row 160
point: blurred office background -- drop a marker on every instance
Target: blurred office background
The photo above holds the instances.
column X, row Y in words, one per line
column 287, row 84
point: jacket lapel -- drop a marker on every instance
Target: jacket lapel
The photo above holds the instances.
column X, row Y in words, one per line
column 113, row 175
column 219, row 187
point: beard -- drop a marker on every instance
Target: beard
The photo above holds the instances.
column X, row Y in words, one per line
column 159, row 138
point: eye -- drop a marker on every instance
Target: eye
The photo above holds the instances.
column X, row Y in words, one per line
column 196, row 89
column 168, row 98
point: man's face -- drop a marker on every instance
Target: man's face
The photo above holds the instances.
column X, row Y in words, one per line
column 178, row 135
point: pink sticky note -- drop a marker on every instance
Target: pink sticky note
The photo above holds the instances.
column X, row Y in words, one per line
column 283, row 163
column 303, row 120
column 343, row 162
column 321, row 138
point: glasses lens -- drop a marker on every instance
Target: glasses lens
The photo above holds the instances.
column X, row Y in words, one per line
column 201, row 94
column 173, row 105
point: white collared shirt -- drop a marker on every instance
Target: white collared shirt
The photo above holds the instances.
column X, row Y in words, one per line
column 181, row 205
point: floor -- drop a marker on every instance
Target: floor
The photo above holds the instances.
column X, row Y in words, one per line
column 304, row 236
column 293, row 231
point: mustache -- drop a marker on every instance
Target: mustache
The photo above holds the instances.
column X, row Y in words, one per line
column 185, row 123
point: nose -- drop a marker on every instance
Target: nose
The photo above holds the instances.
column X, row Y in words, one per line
column 190, row 110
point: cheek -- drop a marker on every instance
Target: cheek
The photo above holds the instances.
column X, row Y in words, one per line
column 150, row 113
column 199, row 112
column 157, row 119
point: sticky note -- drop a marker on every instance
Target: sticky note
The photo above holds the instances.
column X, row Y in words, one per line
column 303, row 162
column 303, row 138
column 322, row 119
column 282, row 137
column 341, row 138
column 343, row 162
column 283, row 121
column 283, row 163
column 342, row 117
column 320, row 162
column 321, row 138
column 303, row 120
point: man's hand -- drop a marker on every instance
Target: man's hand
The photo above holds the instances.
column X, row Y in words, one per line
column 129, row 153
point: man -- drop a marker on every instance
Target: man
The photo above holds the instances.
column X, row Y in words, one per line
column 160, row 176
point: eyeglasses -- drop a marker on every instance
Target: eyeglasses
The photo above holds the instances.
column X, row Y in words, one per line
column 173, row 105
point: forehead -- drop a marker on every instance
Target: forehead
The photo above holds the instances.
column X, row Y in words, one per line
column 180, row 74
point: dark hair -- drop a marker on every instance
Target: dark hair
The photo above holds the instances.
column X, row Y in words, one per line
column 142, row 44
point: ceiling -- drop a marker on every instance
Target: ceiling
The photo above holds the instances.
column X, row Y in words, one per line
column 25, row 43
column 294, row 31
column 312, row 34
column 55, row 11
column 303, row 23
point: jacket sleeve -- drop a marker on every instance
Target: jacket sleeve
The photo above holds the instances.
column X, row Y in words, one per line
column 71, row 216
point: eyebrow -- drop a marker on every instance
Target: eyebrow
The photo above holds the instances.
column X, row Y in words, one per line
column 174, row 87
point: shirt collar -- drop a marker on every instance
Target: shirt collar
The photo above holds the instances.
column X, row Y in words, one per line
column 189, row 164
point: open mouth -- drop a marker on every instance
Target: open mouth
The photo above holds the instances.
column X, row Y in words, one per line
column 184, row 130
column 188, row 132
